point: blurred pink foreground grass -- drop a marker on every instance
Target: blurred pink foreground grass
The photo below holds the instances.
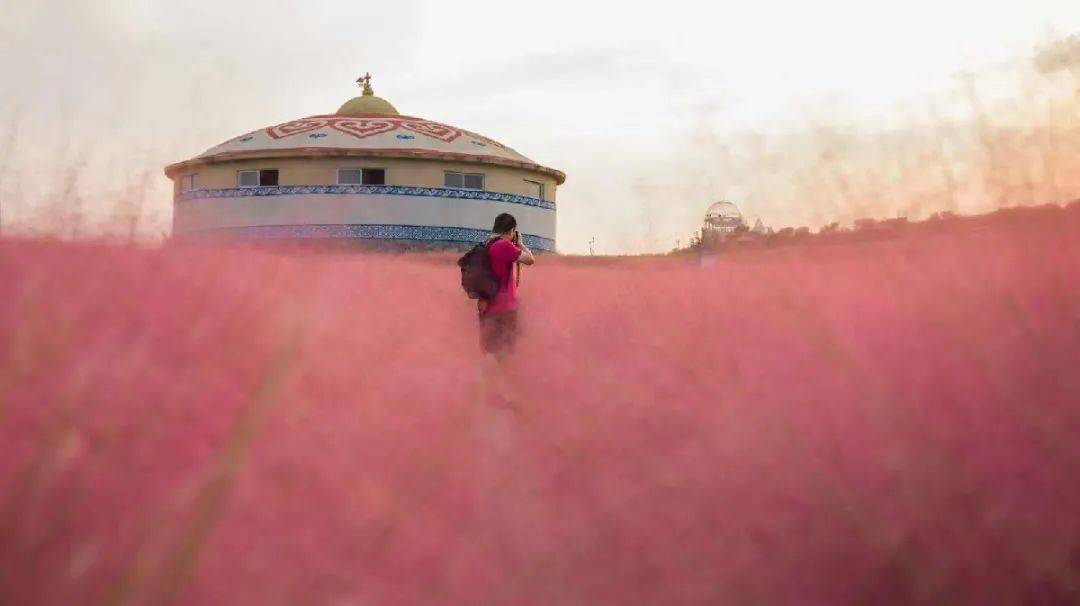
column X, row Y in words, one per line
column 858, row 422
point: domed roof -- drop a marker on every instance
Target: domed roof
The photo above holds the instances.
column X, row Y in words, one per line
column 723, row 210
column 367, row 126
column 723, row 214
column 366, row 103
column 358, row 106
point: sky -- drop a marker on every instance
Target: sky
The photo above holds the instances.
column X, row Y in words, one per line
column 653, row 111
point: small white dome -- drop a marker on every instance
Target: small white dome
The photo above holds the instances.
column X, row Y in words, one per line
column 723, row 214
column 723, row 209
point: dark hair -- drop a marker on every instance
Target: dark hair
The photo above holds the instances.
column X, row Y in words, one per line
column 504, row 223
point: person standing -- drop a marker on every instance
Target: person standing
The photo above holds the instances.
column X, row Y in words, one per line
column 498, row 315
column 498, row 417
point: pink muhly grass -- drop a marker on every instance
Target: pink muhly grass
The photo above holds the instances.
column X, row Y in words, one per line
column 886, row 421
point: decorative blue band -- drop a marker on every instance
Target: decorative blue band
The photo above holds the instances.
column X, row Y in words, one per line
column 391, row 190
column 365, row 232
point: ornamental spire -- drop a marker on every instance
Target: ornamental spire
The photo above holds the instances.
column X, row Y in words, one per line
column 365, row 82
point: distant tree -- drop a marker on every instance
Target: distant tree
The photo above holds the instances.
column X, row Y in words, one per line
column 1060, row 55
column 866, row 224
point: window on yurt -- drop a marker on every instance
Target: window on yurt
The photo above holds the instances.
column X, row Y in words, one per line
column 536, row 189
column 268, row 177
column 361, row 176
column 464, row 180
column 257, row 178
column 374, row 176
column 187, row 183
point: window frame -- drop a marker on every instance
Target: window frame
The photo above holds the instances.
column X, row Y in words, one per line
column 362, row 169
column 277, row 175
column 240, row 178
column 258, row 177
column 187, row 183
column 483, row 180
column 540, row 185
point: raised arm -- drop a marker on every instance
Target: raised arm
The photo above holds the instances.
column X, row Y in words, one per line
column 526, row 257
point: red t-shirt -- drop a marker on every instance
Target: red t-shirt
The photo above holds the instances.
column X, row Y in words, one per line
column 503, row 254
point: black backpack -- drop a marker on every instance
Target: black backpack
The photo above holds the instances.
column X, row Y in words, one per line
column 477, row 277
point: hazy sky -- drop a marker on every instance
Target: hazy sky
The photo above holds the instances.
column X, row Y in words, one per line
column 639, row 105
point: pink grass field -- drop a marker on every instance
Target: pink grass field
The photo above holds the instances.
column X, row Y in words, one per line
column 886, row 422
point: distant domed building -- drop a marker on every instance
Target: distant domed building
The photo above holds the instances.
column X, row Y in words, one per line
column 721, row 220
column 365, row 174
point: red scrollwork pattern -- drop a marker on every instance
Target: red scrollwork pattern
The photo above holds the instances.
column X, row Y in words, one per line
column 434, row 130
column 361, row 128
column 295, row 127
column 368, row 127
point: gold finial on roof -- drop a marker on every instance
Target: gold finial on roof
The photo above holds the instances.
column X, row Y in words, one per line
column 366, row 103
column 365, row 82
